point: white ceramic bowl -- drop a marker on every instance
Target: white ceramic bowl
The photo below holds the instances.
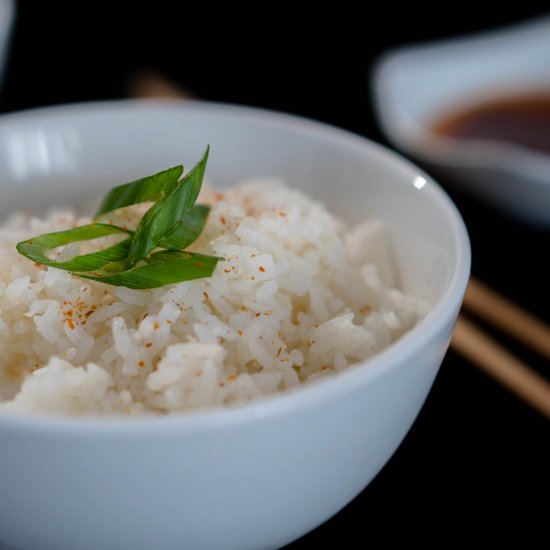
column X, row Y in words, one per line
column 414, row 86
column 258, row 476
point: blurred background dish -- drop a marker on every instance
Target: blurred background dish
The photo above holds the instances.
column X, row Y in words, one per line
column 422, row 91
column 7, row 12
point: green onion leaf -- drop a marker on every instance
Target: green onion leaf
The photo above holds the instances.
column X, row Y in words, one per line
column 35, row 249
column 172, row 223
column 146, row 189
column 188, row 231
column 162, row 268
column 164, row 217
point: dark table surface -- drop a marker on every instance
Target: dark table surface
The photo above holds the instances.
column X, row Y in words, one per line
column 475, row 465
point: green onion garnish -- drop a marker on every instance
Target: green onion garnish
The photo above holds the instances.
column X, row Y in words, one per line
column 151, row 256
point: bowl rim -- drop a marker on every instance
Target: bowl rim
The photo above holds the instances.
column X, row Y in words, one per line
column 290, row 400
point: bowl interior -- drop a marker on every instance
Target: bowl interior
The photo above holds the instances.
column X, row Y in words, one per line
column 69, row 155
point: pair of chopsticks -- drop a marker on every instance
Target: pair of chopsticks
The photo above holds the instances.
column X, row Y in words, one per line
column 491, row 357
column 468, row 340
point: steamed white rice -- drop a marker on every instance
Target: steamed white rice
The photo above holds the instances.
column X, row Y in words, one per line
column 298, row 298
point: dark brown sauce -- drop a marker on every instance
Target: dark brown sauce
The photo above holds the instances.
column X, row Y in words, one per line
column 523, row 120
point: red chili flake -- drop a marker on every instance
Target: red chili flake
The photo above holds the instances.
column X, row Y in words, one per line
column 232, row 378
column 226, row 271
column 70, row 324
column 65, row 303
column 148, row 344
column 205, row 294
column 262, row 269
column 69, row 312
column 198, row 264
column 141, row 364
column 221, row 384
column 88, row 313
column 279, row 352
column 282, row 214
column 222, row 219
column 257, row 314
column 365, row 309
column 156, row 325
column 240, row 332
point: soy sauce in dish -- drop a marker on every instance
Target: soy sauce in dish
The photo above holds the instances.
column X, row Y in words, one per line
column 522, row 120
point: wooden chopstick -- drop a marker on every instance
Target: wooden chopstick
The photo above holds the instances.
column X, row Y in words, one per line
column 468, row 340
column 496, row 361
column 150, row 84
column 507, row 316
column 492, row 358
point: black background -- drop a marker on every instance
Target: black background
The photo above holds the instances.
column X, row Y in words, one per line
column 475, row 465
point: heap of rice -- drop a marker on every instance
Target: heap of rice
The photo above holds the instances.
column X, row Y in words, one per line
column 298, row 298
